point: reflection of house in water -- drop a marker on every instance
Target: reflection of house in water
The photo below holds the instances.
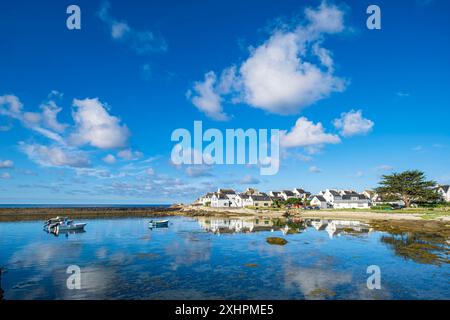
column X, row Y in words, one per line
column 235, row 225
column 338, row 227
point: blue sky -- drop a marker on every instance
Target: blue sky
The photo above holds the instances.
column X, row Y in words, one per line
column 86, row 115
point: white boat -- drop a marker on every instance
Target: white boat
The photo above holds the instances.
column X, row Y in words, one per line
column 71, row 227
column 62, row 224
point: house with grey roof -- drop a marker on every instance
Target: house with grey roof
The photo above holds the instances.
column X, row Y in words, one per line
column 287, row 194
column 319, row 201
column 444, row 191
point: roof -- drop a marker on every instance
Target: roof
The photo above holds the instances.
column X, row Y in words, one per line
column 276, row 198
column 320, row 198
column 350, row 196
column 260, row 198
column 299, row 190
column 243, row 196
column 288, row 192
column 220, row 196
column 334, row 193
column 227, row 191
column 445, row 188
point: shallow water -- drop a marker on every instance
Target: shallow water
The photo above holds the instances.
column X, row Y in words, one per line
column 221, row 259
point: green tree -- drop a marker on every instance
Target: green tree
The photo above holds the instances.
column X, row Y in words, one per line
column 294, row 201
column 408, row 186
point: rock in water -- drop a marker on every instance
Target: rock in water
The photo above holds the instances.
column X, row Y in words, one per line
column 276, row 241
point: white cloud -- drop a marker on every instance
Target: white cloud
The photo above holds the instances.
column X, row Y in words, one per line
column 49, row 116
column 280, row 76
column 96, row 127
column 142, row 42
column 6, row 164
column 352, row 123
column 314, row 169
column 43, row 123
column 306, row 134
column 385, row 167
column 128, row 154
column 325, row 19
column 54, row 156
column 119, row 29
column 207, row 99
column 150, row 172
column 249, row 179
column 109, row 159
column 5, row 175
column 198, row 171
column 11, row 106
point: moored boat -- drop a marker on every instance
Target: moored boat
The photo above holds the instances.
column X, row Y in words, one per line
column 158, row 224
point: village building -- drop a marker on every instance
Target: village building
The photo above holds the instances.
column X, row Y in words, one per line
column 444, row 192
column 260, row 200
column 287, row 194
column 301, row 193
column 319, row 201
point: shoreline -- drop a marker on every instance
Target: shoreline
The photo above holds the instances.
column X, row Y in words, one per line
column 33, row 214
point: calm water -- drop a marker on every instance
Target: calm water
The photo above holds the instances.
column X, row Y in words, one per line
column 217, row 258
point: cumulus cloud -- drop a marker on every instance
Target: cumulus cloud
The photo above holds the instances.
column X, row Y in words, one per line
column 6, row 164
column 353, row 123
column 109, row 159
column 54, row 156
column 96, row 127
column 141, row 41
column 49, row 116
column 289, row 71
column 306, row 134
column 206, row 99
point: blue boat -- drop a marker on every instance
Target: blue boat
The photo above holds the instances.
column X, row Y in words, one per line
column 158, row 224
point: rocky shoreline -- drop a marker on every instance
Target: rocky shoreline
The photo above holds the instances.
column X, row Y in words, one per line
column 29, row 214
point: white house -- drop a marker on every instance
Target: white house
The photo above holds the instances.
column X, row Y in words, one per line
column 352, row 201
column 260, row 200
column 243, row 200
column 345, row 199
column 331, row 195
column 224, row 200
column 319, row 201
column 204, row 200
column 287, row 194
column 372, row 195
column 444, row 191
column 301, row 193
column 276, row 194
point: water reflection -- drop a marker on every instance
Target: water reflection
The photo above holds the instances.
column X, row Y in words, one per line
column 286, row 226
column 323, row 259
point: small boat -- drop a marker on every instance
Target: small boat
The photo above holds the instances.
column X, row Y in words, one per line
column 71, row 227
column 62, row 224
column 158, row 224
column 54, row 221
